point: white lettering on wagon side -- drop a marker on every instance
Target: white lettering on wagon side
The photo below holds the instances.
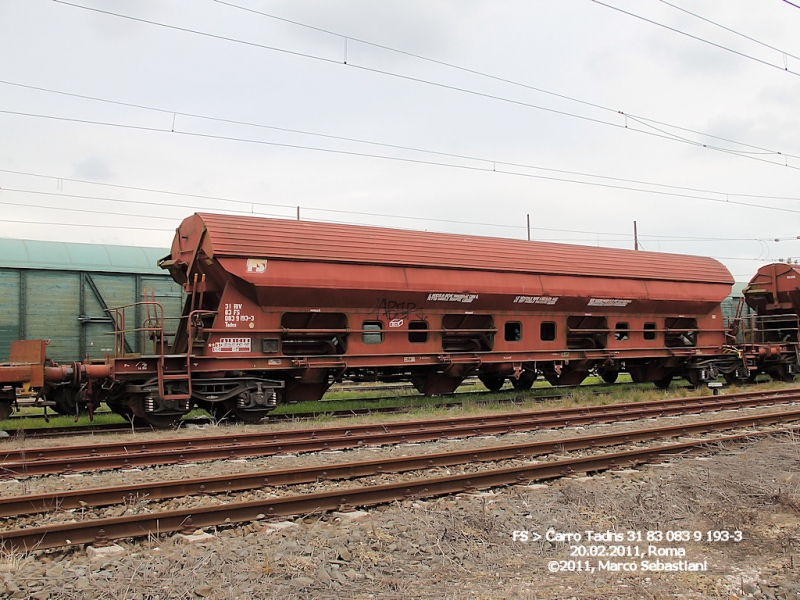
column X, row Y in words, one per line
column 465, row 298
column 548, row 300
column 231, row 345
column 608, row 302
column 233, row 315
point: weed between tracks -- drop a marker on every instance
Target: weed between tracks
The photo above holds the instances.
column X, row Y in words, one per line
column 507, row 400
column 459, row 547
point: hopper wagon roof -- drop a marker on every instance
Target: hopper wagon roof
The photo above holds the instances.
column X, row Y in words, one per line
column 252, row 237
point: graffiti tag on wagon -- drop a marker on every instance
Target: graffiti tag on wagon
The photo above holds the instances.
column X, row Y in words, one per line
column 464, row 298
column 395, row 310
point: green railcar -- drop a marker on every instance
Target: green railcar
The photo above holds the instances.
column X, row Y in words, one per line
column 60, row 292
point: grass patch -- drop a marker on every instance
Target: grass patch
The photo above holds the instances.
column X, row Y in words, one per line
column 592, row 392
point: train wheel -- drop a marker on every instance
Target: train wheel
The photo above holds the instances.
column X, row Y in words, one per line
column 119, row 409
column 694, row 377
column 231, row 410
column 781, row 373
column 608, row 375
column 663, row 384
column 732, row 379
column 525, row 381
column 638, row 373
column 492, row 382
column 66, row 399
column 157, row 420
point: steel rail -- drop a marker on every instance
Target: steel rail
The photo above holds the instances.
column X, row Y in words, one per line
column 45, row 432
column 564, row 417
column 186, row 520
column 233, row 448
column 67, row 500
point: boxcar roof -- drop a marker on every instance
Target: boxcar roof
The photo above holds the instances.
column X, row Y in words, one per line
column 29, row 254
column 253, row 237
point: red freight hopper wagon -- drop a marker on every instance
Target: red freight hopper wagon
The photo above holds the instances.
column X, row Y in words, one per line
column 278, row 310
column 771, row 335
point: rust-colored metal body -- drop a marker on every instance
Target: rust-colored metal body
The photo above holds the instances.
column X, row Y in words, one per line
column 775, row 289
column 25, row 370
column 770, row 337
column 296, row 305
column 278, row 310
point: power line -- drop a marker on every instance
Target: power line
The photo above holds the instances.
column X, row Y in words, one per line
column 382, row 144
column 419, row 56
column 153, row 229
column 747, row 37
column 252, row 212
column 292, row 207
column 792, row 4
column 115, row 213
column 489, row 76
column 175, row 131
column 694, row 37
column 95, row 225
column 664, row 238
column 449, row 87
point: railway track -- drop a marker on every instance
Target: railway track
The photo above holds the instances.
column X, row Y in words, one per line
column 225, row 484
column 50, row 432
column 130, row 454
column 95, row 530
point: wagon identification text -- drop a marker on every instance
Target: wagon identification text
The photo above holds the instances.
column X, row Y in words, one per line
column 548, row 300
column 465, row 298
column 232, row 345
column 608, row 302
column 233, row 315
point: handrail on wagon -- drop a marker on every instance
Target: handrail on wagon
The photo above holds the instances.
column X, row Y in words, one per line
column 152, row 324
column 766, row 329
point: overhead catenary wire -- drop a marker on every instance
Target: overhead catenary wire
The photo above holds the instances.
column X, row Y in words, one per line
column 449, row 87
column 307, row 209
column 175, row 131
column 493, row 77
column 492, row 161
column 733, row 31
column 698, row 38
column 171, row 230
column 720, row 179
column 95, row 225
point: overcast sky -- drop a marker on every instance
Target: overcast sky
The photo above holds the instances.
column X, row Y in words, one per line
column 619, row 102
